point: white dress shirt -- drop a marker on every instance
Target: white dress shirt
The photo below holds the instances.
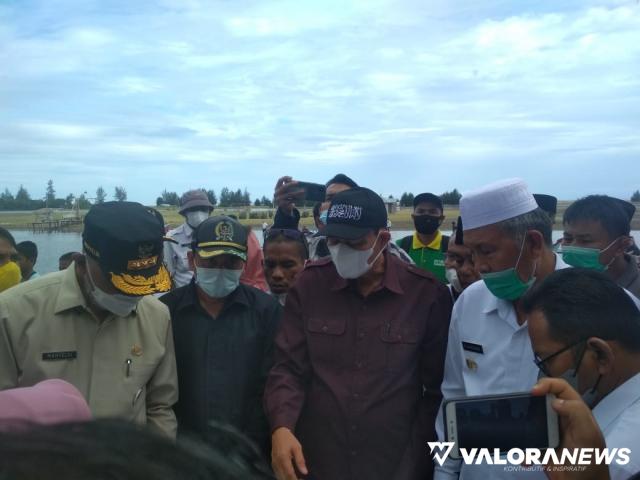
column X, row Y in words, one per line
column 505, row 366
column 618, row 415
column 175, row 255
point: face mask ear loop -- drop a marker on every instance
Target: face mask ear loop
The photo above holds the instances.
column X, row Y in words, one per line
column 606, row 267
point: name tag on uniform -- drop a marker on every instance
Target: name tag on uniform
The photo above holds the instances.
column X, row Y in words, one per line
column 51, row 356
column 472, row 347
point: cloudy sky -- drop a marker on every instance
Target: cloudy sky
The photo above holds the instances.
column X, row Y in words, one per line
column 405, row 95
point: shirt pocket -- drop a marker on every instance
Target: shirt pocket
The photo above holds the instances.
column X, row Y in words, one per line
column 326, row 334
column 136, row 376
column 400, row 341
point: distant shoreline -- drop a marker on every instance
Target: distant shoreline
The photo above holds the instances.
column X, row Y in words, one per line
column 400, row 220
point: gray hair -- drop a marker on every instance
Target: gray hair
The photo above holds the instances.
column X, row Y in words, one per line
column 517, row 227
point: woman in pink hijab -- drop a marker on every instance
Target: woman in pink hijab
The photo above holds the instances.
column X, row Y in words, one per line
column 45, row 403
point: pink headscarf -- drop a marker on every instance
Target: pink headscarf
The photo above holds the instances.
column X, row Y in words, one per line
column 47, row 402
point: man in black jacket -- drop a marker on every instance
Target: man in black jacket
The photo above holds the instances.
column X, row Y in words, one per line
column 223, row 333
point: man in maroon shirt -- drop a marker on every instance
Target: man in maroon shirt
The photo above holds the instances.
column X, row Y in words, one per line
column 355, row 388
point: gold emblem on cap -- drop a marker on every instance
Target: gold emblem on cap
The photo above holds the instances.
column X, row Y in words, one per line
column 143, row 263
column 136, row 350
column 471, row 364
column 224, row 232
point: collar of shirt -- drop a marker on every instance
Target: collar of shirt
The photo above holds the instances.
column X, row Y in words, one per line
column 619, row 400
column 190, row 297
column 504, row 306
column 435, row 244
column 70, row 295
column 390, row 281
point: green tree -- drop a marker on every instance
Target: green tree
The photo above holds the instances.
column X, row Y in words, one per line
column 120, row 194
column 23, row 199
column 257, row 203
column 84, row 204
column 69, row 202
column 101, row 195
column 451, row 198
column 212, row 196
column 51, row 194
column 170, row 198
column 636, row 196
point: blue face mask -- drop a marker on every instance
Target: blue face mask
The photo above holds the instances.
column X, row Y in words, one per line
column 323, row 217
column 506, row 284
column 217, row 282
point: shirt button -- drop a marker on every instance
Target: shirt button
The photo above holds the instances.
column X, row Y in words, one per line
column 325, row 328
column 360, row 335
column 354, row 428
column 353, row 453
column 355, row 395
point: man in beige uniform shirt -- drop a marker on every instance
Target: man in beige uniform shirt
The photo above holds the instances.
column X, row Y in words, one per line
column 96, row 325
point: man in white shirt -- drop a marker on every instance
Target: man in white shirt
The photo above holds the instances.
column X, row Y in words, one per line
column 586, row 329
column 489, row 350
column 195, row 207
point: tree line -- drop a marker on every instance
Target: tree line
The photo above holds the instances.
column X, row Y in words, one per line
column 22, row 200
column 228, row 198
column 448, row 198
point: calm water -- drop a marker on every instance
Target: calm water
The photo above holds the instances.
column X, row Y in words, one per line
column 52, row 245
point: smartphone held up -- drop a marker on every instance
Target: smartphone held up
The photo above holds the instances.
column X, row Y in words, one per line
column 501, row 422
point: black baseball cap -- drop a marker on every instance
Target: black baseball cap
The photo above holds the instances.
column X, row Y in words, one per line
column 218, row 235
column 428, row 198
column 126, row 240
column 548, row 203
column 353, row 213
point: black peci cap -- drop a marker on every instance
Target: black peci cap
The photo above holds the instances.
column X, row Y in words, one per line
column 353, row 213
column 548, row 203
column 125, row 238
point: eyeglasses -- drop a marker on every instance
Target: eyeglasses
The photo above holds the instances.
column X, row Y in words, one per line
column 540, row 362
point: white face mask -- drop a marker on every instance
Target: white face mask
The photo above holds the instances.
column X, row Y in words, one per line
column 196, row 217
column 217, row 282
column 118, row 304
column 351, row 263
column 452, row 278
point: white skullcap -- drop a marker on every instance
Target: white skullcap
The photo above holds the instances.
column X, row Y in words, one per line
column 496, row 202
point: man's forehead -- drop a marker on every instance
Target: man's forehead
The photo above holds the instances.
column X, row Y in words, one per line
column 593, row 228
column 427, row 206
column 488, row 234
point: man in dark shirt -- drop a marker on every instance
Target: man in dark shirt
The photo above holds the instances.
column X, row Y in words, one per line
column 223, row 333
column 355, row 387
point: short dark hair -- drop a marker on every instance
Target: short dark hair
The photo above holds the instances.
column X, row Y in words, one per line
column 281, row 235
column 68, row 256
column 343, row 179
column 601, row 208
column 428, row 198
column 581, row 303
column 109, row 449
column 6, row 234
column 28, row 249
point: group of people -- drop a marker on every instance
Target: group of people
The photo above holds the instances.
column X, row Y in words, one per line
column 332, row 351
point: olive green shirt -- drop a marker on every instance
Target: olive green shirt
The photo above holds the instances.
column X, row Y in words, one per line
column 124, row 366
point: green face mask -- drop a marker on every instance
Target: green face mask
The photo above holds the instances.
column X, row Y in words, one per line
column 583, row 257
column 506, row 284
